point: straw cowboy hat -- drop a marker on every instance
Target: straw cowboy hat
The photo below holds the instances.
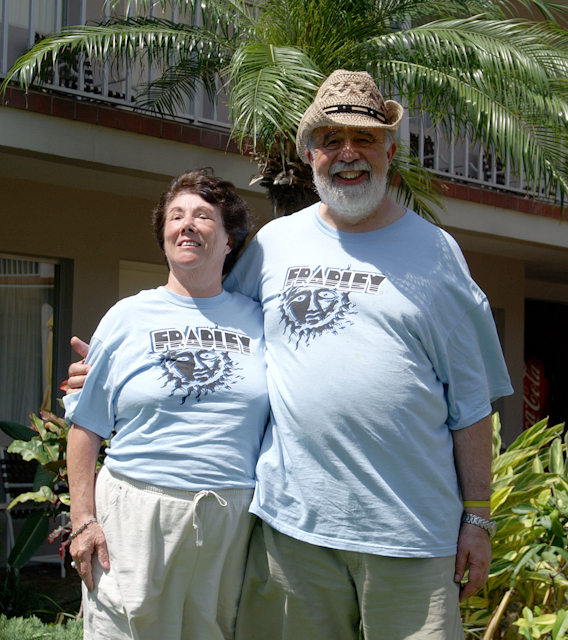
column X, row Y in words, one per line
column 348, row 99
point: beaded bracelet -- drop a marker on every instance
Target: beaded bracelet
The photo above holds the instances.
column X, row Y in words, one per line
column 81, row 529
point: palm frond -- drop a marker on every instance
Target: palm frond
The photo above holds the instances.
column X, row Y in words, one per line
column 204, row 13
column 148, row 40
column 416, row 187
column 270, row 88
column 504, row 83
column 177, row 83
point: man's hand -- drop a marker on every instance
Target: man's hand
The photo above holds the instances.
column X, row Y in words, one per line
column 474, row 549
column 472, row 455
column 84, row 546
column 78, row 370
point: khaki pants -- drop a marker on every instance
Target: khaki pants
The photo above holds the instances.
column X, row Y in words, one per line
column 298, row 591
column 177, row 562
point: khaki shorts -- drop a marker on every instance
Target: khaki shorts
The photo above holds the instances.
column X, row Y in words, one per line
column 298, row 591
column 177, row 561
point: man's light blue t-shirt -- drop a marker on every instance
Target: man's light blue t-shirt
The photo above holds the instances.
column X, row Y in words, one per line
column 378, row 345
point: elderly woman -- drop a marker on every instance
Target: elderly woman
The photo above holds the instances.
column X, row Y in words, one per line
column 178, row 376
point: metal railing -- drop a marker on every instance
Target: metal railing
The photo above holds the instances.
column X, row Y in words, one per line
column 465, row 160
column 24, row 22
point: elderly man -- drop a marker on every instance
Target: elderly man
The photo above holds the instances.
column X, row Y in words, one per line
column 383, row 361
column 373, row 482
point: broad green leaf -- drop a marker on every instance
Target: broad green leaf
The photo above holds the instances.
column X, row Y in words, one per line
column 53, row 451
column 45, row 494
column 32, row 536
column 514, row 459
column 537, row 465
column 32, row 450
column 556, row 463
column 17, row 431
column 530, row 437
column 43, row 478
column 38, row 425
column 55, row 465
column 544, row 497
column 522, row 622
column 545, row 619
column 556, row 525
column 561, row 625
column 496, row 424
column 499, row 497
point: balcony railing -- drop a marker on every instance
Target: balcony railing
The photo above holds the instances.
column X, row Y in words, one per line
column 23, row 22
column 466, row 160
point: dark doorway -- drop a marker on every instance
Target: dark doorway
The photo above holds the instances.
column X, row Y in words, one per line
column 546, row 341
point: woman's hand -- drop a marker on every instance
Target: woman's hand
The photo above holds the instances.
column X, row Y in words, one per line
column 89, row 542
column 77, row 370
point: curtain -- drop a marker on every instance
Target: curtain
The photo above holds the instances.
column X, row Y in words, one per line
column 22, row 370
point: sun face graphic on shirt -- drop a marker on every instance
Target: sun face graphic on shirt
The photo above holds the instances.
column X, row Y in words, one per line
column 197, row 372
column 308, row 312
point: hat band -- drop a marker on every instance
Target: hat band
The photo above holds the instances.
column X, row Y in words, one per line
column 356, row 109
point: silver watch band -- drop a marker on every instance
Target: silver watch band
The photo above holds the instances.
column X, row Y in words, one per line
column 489, row 525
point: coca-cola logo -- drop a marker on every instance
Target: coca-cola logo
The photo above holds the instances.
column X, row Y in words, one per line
column 534, row 392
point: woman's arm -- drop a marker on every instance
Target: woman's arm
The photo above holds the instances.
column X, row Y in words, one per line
column 82, row 452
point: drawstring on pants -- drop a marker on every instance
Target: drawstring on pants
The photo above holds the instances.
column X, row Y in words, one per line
column 196, row 520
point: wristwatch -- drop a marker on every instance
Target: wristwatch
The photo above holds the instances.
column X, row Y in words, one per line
column 489, row 525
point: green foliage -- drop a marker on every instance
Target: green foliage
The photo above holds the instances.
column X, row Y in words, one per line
column 45, row 442
column 48, row 447
column 475, row 65
column 32, row 536
column 17, row 431
column 525, row 595
column 34, row 629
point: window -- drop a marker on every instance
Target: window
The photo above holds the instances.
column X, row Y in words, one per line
column 33, row 321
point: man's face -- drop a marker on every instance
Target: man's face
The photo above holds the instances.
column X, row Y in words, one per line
column 350, row 168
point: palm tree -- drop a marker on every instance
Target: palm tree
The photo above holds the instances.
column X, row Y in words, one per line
column 474, row 65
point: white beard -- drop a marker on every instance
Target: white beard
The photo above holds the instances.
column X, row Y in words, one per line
column 352, row 204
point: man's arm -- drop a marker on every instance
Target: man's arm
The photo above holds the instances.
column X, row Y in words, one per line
column 78, row 370
column 472, row 456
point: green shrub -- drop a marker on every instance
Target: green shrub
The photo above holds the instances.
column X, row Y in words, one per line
column 46, row 443
column 525, row 596
column 34, row 629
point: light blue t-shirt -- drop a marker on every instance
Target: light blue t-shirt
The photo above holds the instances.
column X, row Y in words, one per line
column 182, row 381
column 378, row 345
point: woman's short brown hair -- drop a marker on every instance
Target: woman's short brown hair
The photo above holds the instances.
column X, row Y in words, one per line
column 221, row 193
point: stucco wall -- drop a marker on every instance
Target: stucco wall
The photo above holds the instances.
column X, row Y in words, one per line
column 503, row 281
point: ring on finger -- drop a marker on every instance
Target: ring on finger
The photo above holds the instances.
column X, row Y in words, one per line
column 73, row 565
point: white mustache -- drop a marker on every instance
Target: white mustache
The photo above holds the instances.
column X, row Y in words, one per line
column 356, row 165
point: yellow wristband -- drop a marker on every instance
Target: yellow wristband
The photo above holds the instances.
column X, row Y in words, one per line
column 477, row 503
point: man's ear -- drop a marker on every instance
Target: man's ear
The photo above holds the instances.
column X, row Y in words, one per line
column 310, row 156
column 391, row 151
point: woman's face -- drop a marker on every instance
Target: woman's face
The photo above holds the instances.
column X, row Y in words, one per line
column 194, row 235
